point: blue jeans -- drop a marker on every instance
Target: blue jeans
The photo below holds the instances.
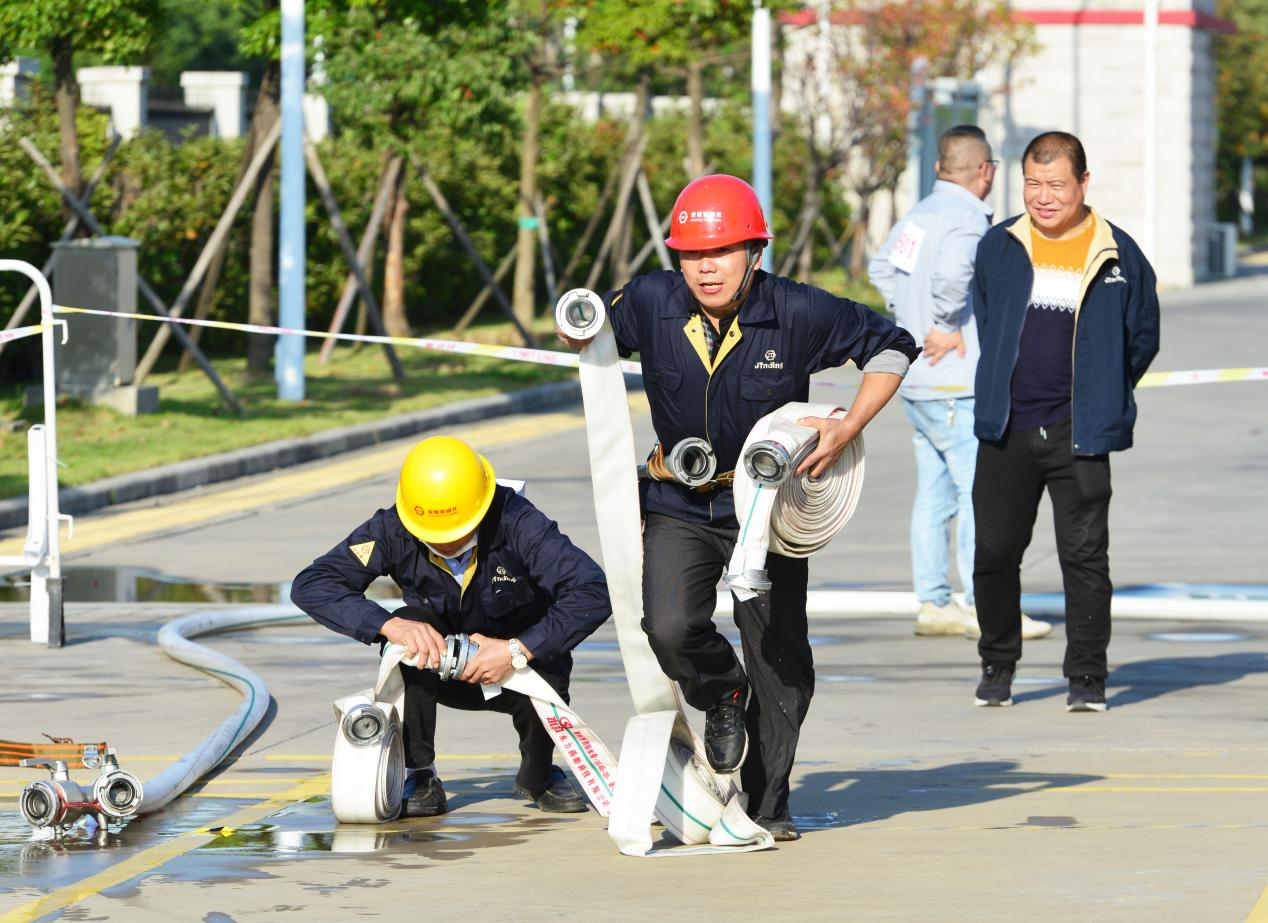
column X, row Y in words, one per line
column 946, row 456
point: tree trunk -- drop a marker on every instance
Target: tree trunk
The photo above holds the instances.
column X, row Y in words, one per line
column 394, row 319
column 524, row 293
column 66, row 94
column 695, row 125
column 858, row 248
column 810, row 212
column 621, row 248
column 263, row 251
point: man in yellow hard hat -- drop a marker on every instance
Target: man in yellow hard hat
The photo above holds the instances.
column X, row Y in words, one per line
column 470, row 556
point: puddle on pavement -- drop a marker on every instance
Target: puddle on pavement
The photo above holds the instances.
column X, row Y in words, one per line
column 302, row 831
column 47, row 864
column 142, row 585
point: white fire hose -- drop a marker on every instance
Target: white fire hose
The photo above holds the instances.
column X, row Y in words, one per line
column 792, row 514
column 368, row 770
column 664, row 773
column 174, row 639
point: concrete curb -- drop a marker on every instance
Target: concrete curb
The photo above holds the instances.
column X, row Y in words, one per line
column 197, row 472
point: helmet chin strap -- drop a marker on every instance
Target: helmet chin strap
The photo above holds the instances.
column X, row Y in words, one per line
column 753, row 249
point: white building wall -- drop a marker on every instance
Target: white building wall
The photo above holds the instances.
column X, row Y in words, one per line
column 1088, row 79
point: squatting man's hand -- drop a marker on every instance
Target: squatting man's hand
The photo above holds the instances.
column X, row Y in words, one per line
column 834, row 436
column 938, row 343
column 492, row 663
column 569, row 341
column 417, row 638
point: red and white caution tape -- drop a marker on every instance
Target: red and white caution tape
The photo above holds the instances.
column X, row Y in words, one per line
column 17, row 333
column 559, row 358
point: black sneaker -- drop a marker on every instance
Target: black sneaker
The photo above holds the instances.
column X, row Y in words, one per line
column 725, row 743
column 782, row 828
column 559, row 797
column 424, row 795
column 996, row 687
column 1087, row 693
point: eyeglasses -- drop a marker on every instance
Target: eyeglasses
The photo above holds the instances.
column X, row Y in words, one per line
column 993, row 163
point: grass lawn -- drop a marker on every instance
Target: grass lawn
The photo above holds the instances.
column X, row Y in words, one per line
column 355, row 387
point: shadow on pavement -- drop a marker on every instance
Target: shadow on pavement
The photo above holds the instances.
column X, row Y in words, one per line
column 842, row 799
column 1149, row 679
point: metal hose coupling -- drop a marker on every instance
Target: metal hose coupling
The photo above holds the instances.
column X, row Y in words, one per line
column 459, row 649
column 580, row 314
column 691, row 462
column 768, row 463
column 59, row 802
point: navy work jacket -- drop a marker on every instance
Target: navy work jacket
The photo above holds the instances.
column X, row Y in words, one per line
column 784, row 332
column 1116, row 330
column 526, row 581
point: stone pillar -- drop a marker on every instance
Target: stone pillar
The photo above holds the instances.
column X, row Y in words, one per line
column 122, row 90
column 224, row 93
column 15, row 77
column 98, row 362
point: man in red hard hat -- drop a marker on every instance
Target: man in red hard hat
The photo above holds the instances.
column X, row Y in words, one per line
column 723, row 344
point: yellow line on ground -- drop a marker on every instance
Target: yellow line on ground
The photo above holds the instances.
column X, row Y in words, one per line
column 155, row 856
column 1182, row 789
column 1186, row 775
column 95, row 531
column 108, row 528
column 1259, row 913
column 325, row 757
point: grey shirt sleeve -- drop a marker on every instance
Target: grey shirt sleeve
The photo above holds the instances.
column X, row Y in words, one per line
column 890, row 361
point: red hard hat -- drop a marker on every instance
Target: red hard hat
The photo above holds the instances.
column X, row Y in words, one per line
column 716, row 211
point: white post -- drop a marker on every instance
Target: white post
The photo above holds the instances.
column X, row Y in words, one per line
column 15, row 79
column 123, row 90
column 224, row 93
column 289, row 353
column 761, row 120
column 1246, row 198
column 46, row 576
column 1149, row 137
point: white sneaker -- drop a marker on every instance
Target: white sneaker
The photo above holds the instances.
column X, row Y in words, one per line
column 934, row 621
column 1030, row 628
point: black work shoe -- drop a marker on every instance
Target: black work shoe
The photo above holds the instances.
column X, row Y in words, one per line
column 996, row 687
column 1087, row 693
column 559, row 797
column 782, row 828
column 424, row 795
column 725, row 742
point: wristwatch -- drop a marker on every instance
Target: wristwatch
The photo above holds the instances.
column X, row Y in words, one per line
column 518, row 659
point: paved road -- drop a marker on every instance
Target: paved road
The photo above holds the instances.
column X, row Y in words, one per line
column 1189, row 498
column 916, row 804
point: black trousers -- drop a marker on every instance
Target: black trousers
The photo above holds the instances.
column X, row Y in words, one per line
column 424, row 690
column 682, row 562
column 1011, row 478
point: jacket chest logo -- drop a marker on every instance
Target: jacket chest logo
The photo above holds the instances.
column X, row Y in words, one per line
column 770, row 362
column 1116, row 275
column 501, row 576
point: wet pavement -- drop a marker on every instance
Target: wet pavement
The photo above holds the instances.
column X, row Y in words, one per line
column 913, row 802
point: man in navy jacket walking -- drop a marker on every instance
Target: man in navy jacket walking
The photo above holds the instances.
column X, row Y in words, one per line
column 1067, row 314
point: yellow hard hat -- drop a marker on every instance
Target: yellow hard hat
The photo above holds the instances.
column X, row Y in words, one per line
column 445, row 489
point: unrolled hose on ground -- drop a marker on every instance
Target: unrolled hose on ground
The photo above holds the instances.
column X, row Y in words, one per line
column 175, row 639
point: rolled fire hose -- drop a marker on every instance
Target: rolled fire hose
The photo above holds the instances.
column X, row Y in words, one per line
column 664, row 773
column 792, row 514
column 368, row 771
